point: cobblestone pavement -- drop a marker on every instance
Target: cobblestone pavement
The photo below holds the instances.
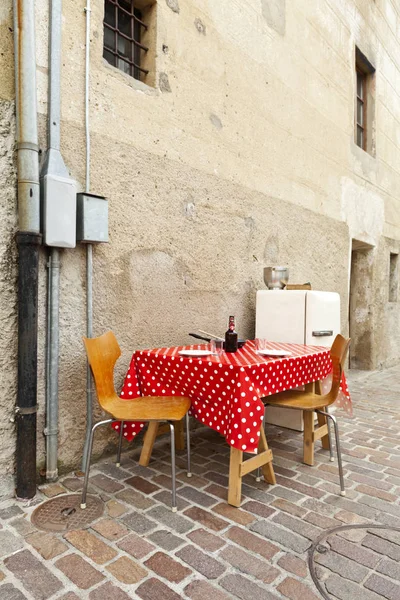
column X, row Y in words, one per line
column 209, row 550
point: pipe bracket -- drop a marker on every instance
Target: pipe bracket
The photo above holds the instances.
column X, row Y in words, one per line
column 23, row 410
column 27, row 146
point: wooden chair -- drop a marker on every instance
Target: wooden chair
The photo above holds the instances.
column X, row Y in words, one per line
column 103, row 352
column 311, row 403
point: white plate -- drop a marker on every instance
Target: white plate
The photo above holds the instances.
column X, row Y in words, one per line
column 272, row 352
column 194, row 352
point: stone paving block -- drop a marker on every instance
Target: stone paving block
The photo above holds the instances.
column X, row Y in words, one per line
column 390, row 568
column 343, row 566
column 204, row 564
column 350, row 518
column 126, row 570
column 382, row 546
column 381, row 505
column 299, row 526
column 245, row 589
column 197, row 497
column 217, row 490
column 70, row 596
column 10, row 512
column 294, row 565
column 261, row 495
column 136, row 546
column 138, row 522
column 251, row 542
column 386, row 534
column 166, row 498
column 91, row 545
column 134, row 498
column 217, row 478
column 195, row 480
column 282, row 492
column 203, row 590
column 234, row 514
column 75, row 484
column 167, row 567
column 321, row 521
column 108, row 591
column 2, row 576
column 115, row 509
column 289, row 507
column 113, row 471
column 295, row 590
column 174, row 521
column 164, row 481
column 52, row 490
column 258, row 508
column 79, row 571
column 383, row 587
column 34, row 575
column 23, row 526
column 281, row 535
column 349, row 506
column 348, row 590
column 9, row 543
column 10, row 592
column 246, row 563
column 206, row 518
column 110, row 529
column 206, row 540
column 46, row 544
column 154, row 589
column 106, row 483
column 293, row 484
column 166, row 540
column 142, row 485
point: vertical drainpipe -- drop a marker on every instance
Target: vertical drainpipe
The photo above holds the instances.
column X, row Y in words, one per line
column 28, row 241
column 53, row 165
column 89, row 247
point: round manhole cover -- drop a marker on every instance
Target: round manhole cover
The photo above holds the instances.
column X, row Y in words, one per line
column 64, row 513
column 355, row 560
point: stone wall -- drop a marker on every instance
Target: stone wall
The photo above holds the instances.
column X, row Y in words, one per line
column 239, row 154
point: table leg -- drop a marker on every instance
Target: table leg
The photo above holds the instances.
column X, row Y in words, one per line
column 235, row 477
column 325, row 438
column 239, row 467
column 148, row 443
column 308, row 448
column 267, row 468
column 179, row 435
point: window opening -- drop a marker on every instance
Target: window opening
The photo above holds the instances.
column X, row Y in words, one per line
column 393, row 277
column 364, row 108
column 123, row 32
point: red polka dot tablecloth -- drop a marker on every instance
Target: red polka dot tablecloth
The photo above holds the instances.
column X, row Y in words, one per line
column 226, row 390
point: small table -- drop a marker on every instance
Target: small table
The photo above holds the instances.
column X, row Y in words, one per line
column 226, row 393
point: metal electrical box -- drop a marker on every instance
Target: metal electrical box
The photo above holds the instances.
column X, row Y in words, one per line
column 59, row 211
column 91, row 218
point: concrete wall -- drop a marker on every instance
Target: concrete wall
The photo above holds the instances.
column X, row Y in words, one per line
column 240, row 154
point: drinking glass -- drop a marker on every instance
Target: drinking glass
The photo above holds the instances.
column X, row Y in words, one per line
column 260, row 344
column 217, row 346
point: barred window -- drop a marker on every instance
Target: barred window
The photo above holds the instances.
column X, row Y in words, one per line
column 124, row 30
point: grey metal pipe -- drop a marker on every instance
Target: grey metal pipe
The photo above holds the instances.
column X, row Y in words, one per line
column 89, row 248
column 51, row 430
column 26, row 112
column 28, row 241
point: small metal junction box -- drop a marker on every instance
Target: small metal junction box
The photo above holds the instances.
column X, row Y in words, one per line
column 91, row 218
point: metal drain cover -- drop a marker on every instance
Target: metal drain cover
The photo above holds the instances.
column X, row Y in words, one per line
column 64, row 513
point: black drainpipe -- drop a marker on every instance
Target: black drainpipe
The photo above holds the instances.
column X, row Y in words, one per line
column 28, row 249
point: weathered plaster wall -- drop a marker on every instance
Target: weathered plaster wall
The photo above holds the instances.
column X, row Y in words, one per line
column 8, row 223
column 241, row 155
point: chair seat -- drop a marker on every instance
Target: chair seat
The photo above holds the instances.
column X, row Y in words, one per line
column 298, row 400
column 149, row 408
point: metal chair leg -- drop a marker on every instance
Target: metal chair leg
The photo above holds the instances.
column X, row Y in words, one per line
column 258, row 472
column 121, row 435
column 88, row 457
column 338, row 450
column 328, row 424
column 173, row 469
column 189, row 472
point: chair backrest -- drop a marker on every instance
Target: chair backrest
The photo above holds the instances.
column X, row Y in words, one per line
column 103, row 352
column 339, row 352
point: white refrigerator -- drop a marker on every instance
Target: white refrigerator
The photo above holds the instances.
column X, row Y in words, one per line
column 297, row 317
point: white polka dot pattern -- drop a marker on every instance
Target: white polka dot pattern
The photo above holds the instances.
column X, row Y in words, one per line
column 226, row 390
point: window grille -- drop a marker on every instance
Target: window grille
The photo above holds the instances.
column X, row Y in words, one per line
column 123, row 28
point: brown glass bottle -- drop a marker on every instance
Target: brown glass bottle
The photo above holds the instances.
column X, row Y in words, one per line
column 231, row 337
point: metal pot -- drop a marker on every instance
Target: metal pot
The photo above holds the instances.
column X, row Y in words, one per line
column 276, row 277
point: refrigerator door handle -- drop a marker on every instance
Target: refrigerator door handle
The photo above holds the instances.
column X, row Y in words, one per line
column 323, row 333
